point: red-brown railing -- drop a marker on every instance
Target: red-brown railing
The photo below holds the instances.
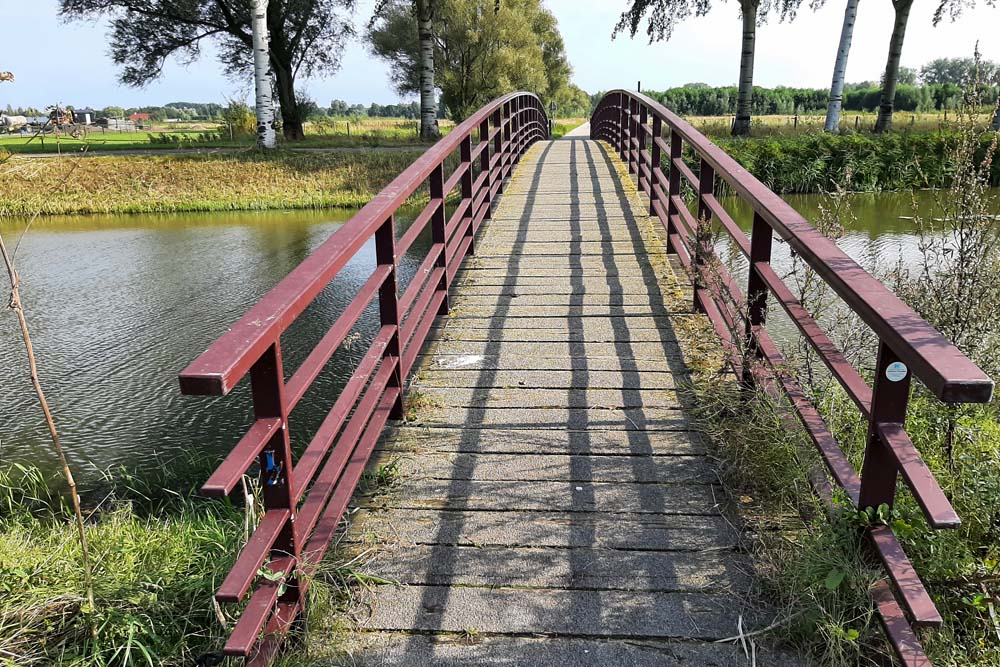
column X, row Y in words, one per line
column 634, row 125
column 305, row 499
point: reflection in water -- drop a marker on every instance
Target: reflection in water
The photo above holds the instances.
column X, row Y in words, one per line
column 118, row 305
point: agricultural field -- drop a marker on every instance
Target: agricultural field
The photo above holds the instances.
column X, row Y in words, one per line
column 790, row 125
column 327, row 133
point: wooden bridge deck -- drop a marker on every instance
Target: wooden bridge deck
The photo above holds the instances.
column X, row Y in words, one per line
column 554, row 508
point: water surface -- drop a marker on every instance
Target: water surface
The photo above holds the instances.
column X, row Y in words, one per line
column 118, row 305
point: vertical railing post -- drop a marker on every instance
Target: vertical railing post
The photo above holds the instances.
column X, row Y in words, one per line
column 674, row 183
column 516, row 131
column 388, row 306
column 466, row 157
column 507, row 122
column 267, row 387
column 706, row 186
column 654, row 164
column 623, row 127
column 484, row 164
column 496, row 173
column 643, row 119
column 438, row 233
column 890, row 395
column 761, row 240
column 632, row 157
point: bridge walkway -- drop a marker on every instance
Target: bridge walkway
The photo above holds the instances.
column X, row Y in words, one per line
column 554, row 506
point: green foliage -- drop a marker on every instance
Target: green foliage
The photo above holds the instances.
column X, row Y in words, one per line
column 820, row 162
column 239, row 117
column 158, row 566
column 482, row 51
column 698, row 99
column 959, row 71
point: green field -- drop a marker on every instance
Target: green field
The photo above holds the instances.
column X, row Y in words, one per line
column 329, row 133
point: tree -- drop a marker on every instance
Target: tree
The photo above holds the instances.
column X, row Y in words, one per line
column 892, row 70
column 957, row 71
column 890, row 77
column 306, row 37
column 263, row 102
column 664, row 15
column 572, row 102
column 481, row 49
column 423, row 13
column 840, row 68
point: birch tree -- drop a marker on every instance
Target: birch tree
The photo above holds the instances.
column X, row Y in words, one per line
column 840, row 68
column 664, row 15
column 428, row 102
column 263, row 99
column 952, row 8
column 890, row 78
column 481, row 49
column 305, row 37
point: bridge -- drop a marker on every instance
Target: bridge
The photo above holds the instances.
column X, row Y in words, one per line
column 555, row 505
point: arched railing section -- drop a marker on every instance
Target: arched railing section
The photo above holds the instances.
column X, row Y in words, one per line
column 647, row 136
column 305, row 499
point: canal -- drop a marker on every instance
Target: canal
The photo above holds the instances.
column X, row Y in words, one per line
column 119, row 305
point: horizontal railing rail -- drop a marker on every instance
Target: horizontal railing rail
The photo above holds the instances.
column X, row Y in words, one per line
column 649, row 138
column 305, row 497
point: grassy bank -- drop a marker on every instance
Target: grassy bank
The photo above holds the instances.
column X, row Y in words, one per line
column 813, row 559
column 861, row 162
column 159, row 556
column 156, row 568
column 174, row 183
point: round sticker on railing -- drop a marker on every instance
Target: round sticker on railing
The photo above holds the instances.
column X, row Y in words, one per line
column 896, row 371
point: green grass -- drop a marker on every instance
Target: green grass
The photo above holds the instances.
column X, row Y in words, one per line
column 159, row 557
column 784, row 125
column 155, row 570
column 175, row 183
column 812, row 564
column 860, row 162
column 563, row 125
column 325, row 134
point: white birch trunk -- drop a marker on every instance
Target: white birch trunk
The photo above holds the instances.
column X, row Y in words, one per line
column 428, row 103
column 840, row 68
column 744, row 100
column 264, row 98
column 891, row 77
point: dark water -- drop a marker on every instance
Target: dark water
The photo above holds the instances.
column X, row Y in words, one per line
column 119, row 305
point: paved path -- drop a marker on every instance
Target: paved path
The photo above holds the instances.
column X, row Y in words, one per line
column 554, row 507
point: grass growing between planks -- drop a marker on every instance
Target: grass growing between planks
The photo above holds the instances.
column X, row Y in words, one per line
column 176, row 183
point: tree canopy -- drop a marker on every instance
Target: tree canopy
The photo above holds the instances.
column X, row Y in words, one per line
column 958, row 71
column 482, row 50
column 307, row 37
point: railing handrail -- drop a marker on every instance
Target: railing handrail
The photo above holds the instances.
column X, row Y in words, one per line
column 950, row 375
column 217, row 370
column 305, row 496
column 633, row 124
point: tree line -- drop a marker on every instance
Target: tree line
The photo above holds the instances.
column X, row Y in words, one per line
column 703, row 100
column 665, row 15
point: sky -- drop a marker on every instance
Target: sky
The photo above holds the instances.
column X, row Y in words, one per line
column 56, row 61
